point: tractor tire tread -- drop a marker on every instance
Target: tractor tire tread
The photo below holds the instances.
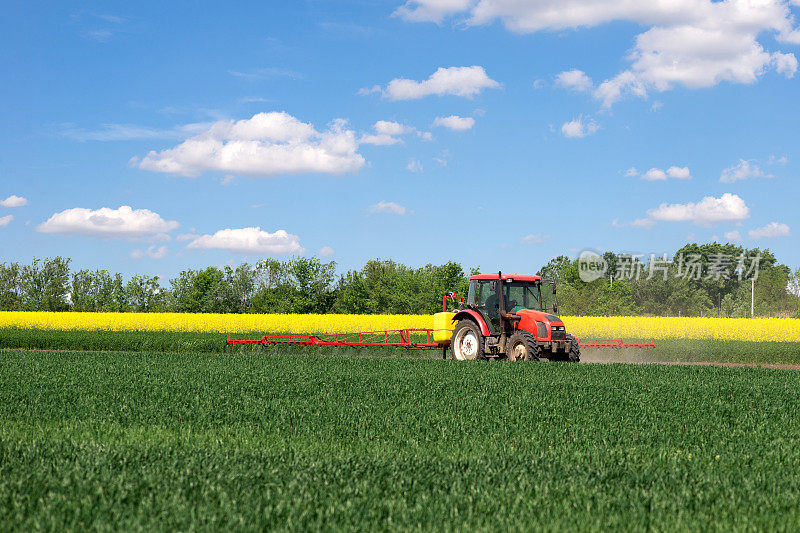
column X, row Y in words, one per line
column 574, row 355
column 534, row 351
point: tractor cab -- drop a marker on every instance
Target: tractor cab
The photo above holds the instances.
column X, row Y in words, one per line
column 519, row 293
column 511, row 316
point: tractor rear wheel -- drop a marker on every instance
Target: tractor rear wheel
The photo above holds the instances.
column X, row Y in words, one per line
column 574, row 355
column 467, row 341
column 522, row 346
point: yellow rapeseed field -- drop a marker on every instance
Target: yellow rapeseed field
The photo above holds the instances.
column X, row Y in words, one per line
column 762, row 329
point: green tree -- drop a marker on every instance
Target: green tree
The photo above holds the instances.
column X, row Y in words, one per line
column 10, row 286
column 44, row 285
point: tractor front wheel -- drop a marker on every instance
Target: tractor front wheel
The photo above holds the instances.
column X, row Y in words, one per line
column 467, row 341
column 574, row 355
column 522, row 346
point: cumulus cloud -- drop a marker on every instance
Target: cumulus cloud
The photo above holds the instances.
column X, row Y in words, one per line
column 579, row 128
column 727, row 208
column 535, row 238
column 390, row 208
column 431, row 10
column 631, row 172
column 386, row 133
column 733, row 236
column 151, row 252
column 120, row 223
column 454, row 122
column 251, row 241
column 656, row 174
column 14, row 201
column 743, row 170
column 326, row 251
column 267, row 144
column 575, row 80
column 6, row 220
column 459, row 81
column 691, row 43
column 771, row 230
column 645, row 223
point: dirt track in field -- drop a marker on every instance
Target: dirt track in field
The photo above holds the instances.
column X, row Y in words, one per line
column 638, row 358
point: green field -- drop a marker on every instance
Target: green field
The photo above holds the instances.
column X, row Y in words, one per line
column 258, row 440
column 190, row 342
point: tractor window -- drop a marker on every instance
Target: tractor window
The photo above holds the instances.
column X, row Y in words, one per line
column 521, row 295
column 483, row 292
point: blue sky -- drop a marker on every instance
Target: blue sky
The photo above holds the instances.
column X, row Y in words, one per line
column 512, row 132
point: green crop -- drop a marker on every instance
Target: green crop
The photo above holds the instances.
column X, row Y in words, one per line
column 191, row 342
column 277, row 440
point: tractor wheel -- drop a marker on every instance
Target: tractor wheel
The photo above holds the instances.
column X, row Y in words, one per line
column 522, row 346
column 467, row 341
column 574, row 355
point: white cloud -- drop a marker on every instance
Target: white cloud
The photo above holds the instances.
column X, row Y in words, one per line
column 575, row 80
column 14, row 201
column 132, row 132
column 459, row 81
column 388, row 207
column 535, row 238
column 681, row 173
column 120, row 223
column 785, row 64
column 643, row 223
column 733, row 236
column 631, row 172
column 386, row 133
column 455, row 123
column 6, row 220
column 656, row 174
column 431, row 10
column 267, row 144
column 252, row 241
column 727, row 208
column 771, row 230
column 326, row 251
column 579, row 128
column 151, row 252
column 743, row 170
column 414, row 165
column 646, row 223
column 775, row 160
column 693, row 43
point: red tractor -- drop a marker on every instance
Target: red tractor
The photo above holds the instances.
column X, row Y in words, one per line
column 511, row 317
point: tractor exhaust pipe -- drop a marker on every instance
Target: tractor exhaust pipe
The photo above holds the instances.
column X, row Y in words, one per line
column 502, row 299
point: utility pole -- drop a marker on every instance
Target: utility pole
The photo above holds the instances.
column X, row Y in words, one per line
column 752, row 297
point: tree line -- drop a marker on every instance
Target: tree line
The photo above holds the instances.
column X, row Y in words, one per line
column 628, row 286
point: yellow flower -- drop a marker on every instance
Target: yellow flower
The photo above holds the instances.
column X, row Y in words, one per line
column 615, row 327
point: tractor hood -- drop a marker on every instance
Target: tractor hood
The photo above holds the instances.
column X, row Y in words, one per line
column 538, row 323
column 539, row 316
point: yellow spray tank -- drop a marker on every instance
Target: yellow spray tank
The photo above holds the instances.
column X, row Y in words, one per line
column 443, row 327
